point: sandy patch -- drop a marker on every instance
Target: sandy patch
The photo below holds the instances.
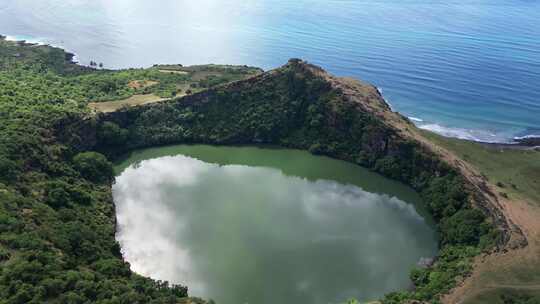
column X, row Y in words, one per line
column 135, row 100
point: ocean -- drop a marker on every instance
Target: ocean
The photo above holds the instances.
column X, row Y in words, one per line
column 467, row 69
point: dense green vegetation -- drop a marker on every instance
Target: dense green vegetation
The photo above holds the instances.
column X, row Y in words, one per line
column 57, row 220
column 57, row 217
column 39, row 73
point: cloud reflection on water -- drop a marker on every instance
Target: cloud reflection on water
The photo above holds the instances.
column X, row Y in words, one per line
column 237, row 233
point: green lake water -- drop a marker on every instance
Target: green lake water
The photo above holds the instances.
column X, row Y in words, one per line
column 263, row 225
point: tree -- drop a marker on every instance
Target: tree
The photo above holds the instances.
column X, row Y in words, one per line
column 111, row 134
column 57, row 194
column 8, row 170
column 465, row 227
column 94, row 166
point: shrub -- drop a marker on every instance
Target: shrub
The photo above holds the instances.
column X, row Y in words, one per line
column 8, row 170
column 444, row 196
column 110, row 133
column 57, row 194
column 4, row 255
column 94, row 166
column 112, row 267
column 464, row 227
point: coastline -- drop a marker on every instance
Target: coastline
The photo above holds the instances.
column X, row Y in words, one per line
column 72, row 56
column 527, row 142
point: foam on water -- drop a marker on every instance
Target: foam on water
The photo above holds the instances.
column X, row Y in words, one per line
column 468, row 134
column 527, row 136
column 416, row 119
column 471, row 134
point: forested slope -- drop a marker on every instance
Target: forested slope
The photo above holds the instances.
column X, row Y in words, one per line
column 57, row 219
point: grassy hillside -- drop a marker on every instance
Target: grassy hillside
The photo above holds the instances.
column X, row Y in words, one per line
column 514, row 278
column 515, row 172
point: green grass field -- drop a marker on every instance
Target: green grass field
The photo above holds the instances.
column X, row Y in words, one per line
column 516, row 172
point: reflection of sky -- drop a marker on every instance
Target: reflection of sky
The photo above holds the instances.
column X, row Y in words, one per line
column 232, row 232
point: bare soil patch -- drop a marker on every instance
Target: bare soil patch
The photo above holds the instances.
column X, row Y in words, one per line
column 141, row 84
column 135, row 100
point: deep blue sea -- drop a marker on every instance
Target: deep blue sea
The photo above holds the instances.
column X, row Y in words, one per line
column 468, row 69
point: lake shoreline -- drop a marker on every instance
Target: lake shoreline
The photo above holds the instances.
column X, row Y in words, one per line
column 344, row 193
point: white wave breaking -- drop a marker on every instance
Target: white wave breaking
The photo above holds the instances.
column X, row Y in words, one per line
column 468, row 134
column 415, row 119
column 530, row 136
column 380, row 90
column 477, row 135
